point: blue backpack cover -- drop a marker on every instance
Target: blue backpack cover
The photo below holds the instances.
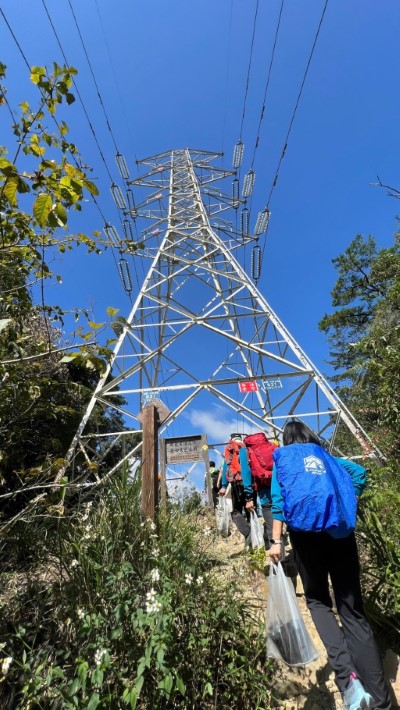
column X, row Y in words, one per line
column 318, row 493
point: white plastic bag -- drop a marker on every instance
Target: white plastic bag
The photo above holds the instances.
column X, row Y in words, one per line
column 287, row 636
column 256, row 531
column 222, row 516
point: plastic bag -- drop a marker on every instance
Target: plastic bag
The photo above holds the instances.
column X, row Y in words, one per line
column 222, row 516
column 287, row 636
column 256, row 531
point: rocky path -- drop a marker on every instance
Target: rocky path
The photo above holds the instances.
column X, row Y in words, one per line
column 308, row 688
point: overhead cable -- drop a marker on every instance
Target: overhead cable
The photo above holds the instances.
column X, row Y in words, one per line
column 78, row 93
column 249, row 70
column 296, row 106
column 93, row 76
column 263, row 107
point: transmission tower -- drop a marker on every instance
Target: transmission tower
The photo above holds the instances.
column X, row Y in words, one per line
column 199, row 330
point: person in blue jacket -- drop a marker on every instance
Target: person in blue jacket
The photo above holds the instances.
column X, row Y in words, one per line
column 351, row 648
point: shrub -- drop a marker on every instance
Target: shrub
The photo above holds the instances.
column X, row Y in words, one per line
column 137, row 618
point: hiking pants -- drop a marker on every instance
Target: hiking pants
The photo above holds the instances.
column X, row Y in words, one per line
column 240, row 516
column 215, row 496
column 266, row 507
column 351, row 647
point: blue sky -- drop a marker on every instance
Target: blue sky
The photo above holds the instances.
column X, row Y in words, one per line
column 173, row 75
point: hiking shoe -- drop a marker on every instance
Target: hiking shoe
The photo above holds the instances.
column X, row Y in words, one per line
column 355, row 697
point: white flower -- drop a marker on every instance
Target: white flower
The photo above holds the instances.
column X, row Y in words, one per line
column 5, row 665
column 98, row 656
column 81, row 613
column 154, row 575
column 151, row 524
column 207, row 531
column 200, row 580
column 153, row 607
column 151, row 595
column 188, row 578
column 74, row 563
column 156, row 551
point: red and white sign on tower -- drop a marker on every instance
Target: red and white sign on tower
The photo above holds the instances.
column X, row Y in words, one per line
column 246, row 386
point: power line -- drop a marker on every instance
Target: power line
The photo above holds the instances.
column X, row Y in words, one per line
column 296, row 106
column 227, row 75
column 263, row 107
column 78, row 94
column 249, row 70
column 116, row 80
column 93, row 76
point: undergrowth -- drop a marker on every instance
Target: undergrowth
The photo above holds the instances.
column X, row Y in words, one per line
column 129, row 613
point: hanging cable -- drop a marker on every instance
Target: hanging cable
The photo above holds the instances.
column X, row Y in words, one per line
column 93, row 75
column 239, row 147
column 263, row 107
column 78, row 92
column 296, row 106
column 116, row 80
column 227, row 78
column 266, row 212
column 248, row 70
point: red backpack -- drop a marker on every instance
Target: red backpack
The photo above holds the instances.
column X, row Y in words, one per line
column 260, row 452
column 233, row 467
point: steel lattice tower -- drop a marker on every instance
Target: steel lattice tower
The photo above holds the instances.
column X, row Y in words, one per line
column 199, row 325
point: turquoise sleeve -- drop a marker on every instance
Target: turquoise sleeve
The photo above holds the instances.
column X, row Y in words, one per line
column 357, row 474
column 277, row 498
column 246, row 473
column 224, row 482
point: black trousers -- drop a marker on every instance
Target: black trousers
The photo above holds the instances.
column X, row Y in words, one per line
column 215, row 496
column 351, row 647
column 267, row 515
column 240, row 516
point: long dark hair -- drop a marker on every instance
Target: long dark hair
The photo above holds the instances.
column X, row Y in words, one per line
column 296, row 432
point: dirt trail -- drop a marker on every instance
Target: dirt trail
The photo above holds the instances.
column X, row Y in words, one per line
column 309, row 688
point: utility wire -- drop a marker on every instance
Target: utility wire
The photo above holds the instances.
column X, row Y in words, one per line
column 78, row 94
column 116, row 80
column 93, row 76
column 249, row 70
column 227, row 78
column 285, row 145
column 262, row 113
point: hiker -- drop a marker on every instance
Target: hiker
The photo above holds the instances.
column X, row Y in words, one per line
column 324, row 545
column 260, row 456
column 215, row 479
column 236, row 471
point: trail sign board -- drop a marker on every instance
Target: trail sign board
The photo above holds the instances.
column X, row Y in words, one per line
column 182, row 449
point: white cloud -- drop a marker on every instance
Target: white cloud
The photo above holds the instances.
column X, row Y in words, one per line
column 218, row 423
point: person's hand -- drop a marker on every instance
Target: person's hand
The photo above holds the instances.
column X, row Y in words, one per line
column 275, row 552
column 222, row 491
column 250, row 505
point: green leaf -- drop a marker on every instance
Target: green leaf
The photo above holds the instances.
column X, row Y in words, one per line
column 95, row 326
column 10, row 191
column 37, row 73
column 42, row 208
column 70, row 98
column 90, row 186
column 180, row 685
column 112, row 312
column 93, row 702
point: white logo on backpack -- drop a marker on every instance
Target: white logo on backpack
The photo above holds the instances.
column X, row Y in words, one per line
column 312, row 464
